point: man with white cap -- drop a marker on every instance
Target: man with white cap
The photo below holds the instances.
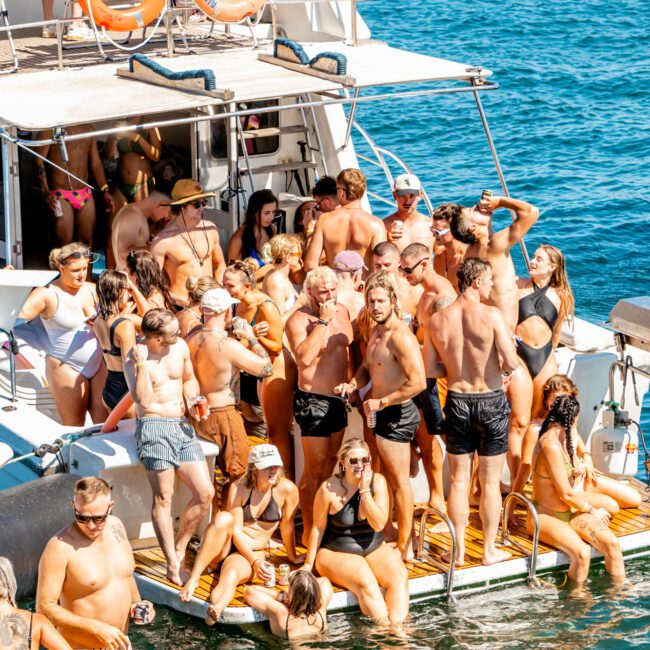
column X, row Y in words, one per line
column 349, row 268
column 407, row 225
column 217, row 358
column 189, row 245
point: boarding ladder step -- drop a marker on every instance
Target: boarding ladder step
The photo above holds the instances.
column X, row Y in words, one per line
column 274, row 130
column 506, row 540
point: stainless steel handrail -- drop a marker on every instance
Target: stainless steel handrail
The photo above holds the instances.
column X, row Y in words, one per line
column 507, row 541
column 451, row 569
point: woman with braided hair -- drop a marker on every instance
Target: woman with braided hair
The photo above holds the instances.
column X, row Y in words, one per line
column 566, row 519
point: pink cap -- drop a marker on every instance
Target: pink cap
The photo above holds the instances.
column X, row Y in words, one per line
column 348, row 261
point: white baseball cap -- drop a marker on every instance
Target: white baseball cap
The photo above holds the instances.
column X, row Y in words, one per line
column 218, row 300
column 263, row 456
column 407, row 184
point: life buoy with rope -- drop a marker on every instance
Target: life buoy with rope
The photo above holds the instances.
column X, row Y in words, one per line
column 229, row 11
column 122, row 20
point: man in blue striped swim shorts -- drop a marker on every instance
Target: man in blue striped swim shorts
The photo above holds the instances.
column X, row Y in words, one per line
column 161, row 380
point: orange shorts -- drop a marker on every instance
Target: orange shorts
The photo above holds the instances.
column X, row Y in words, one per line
column 225, row 427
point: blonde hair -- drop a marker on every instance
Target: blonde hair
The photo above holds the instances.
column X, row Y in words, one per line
column 244, row 270
column 91, row 487
column 318, row 275
column 58, row 256
column 197, row 286
column 346, row 448
column 8, row 586
column 282, row 245
column 560, row 282
column 354, row 182
column 383, row 280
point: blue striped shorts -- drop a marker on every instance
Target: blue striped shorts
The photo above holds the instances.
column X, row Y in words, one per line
column 165, row 443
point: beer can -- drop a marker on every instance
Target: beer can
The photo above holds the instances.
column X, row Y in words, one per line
column 140, row 614
column 371, row 419
column 238, row 323
column 58, row 208
column 486, row 194
column 271, row 569
column 283, row 575
column 202, row 407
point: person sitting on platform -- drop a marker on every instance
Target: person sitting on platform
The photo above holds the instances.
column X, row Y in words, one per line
column 298, row 613
column 20, row 628
column 566, row 517
column 346, row 544
column 257, row 504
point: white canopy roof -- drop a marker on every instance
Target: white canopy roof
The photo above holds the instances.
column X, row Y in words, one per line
column 41, row 100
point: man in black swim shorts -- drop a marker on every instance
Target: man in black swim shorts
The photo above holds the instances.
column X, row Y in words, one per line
column 469, row 343
column 393, row 363
column 320, row 335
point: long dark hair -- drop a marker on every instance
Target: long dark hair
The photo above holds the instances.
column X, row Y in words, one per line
column 564, row 412
column 256, row 202
column 304, row 597
column 110, row 292
column 149, row 277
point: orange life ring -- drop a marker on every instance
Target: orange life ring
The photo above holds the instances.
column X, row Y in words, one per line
column 122, row 20
column 117, row 413
column 229, row 11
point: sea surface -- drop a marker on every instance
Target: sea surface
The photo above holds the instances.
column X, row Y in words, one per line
column 570, row 123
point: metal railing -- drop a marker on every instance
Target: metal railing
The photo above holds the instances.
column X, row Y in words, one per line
column 506, row 540
column 451, row 568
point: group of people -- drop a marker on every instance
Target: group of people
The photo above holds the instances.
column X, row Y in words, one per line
column 419, row 323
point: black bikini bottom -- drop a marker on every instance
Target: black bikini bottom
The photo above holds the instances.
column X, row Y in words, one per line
column 534, row 358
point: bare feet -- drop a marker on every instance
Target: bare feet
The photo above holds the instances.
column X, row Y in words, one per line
column 212, row 615
column 188, row 590
column 460, row 557
column 174, row 575
column 440, row 527
column 408, row 555
column 498, row 555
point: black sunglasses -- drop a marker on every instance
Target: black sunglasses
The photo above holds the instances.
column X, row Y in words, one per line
column 407, row 270
column 96, row 519
column 359, row 461
column 199, row 204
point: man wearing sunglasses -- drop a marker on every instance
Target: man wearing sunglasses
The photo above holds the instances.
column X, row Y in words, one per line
column 85, row 578
column 349, row 227
column 407, row 225
column 189, row 245
column 326, row 195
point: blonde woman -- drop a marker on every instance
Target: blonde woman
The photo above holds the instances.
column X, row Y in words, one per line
column 346, row 544
column 286, row 253
column 190, row 317
column 73, row 368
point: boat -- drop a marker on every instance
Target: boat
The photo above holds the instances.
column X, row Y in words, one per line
column 301, row 69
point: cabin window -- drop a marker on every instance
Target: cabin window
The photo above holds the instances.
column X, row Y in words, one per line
column 255, row 146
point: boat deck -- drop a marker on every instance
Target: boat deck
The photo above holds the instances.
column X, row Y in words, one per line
column 427, row 577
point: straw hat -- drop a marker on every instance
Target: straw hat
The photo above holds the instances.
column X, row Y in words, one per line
column 187, row 190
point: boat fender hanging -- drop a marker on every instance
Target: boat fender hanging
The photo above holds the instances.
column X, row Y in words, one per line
column 122, row 20
column 30, row 514
column 229, row 11
column 209, row 81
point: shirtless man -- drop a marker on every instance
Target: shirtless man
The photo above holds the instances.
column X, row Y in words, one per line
column 349, row 227
column 385, row 257
column 130, row 230
column 189, row 245
column 417, row 269
column 217, row 359
column 394, row 365
column 448, row 252
column 465, row 342
column 326, row 195
column 85, row 577
column 472, row 226
column 320, row 335
column 73, row 198
column 348, row 267
column 161, row 380
column 407, row 225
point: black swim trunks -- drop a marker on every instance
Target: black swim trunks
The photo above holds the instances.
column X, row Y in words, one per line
column 398, row 422
column 428, row 401
column 319, row 416
column 477, row 422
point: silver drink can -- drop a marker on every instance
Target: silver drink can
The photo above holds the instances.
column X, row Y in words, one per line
column 140, row 614
column 58, row 208
column 238, row 323
column 271, row 569
column 283, row 575
column 371, row 419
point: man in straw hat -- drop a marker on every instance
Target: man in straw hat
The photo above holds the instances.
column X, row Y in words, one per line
column 189, row 245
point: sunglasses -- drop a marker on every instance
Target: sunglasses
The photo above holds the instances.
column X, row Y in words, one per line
column 407, row 270
column 439, row 233
column 77, row 255
column 359, row 461
column 98, row 520
column 199, row 204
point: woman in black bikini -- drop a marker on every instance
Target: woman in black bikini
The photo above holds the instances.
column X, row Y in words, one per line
column 545, row 301
column 275, row 393
column 116, row 329
column 299, row 612
column 18, row 627
column 258, row 503
column 346, row 544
